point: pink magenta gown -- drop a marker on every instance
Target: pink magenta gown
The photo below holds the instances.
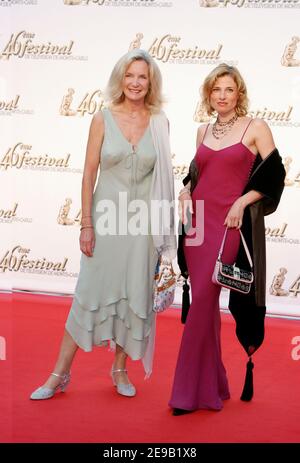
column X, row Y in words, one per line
column 200, row 380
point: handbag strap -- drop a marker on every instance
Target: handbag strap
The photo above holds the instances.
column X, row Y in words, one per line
column 244, row 243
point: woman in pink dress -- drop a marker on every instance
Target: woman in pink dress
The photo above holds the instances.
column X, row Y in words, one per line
column 224, row 160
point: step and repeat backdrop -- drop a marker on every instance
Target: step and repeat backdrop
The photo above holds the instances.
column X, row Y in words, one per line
column 55, row 59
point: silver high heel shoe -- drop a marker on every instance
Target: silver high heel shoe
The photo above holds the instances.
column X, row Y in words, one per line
column 43, row 393
column 127, row 390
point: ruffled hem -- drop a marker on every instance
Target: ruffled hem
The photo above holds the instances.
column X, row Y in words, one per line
column 115, row 322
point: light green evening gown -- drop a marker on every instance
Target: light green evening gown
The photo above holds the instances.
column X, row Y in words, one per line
column 113, row 297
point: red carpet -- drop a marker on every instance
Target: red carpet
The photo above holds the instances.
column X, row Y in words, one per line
column 91, row 410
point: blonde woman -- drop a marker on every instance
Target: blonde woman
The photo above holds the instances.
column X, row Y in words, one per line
column 238, row 174
column 113, row 298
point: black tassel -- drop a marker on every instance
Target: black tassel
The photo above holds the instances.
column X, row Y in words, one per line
column 247, row 393
column 185, row 302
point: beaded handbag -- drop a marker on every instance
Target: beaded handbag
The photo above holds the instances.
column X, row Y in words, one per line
column 164, row 285
column 230, row 276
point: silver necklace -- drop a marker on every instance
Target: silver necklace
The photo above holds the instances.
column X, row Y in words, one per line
column 220, row 129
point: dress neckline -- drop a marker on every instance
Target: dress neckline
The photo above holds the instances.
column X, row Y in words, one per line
column 122, row 134
column 229, row 146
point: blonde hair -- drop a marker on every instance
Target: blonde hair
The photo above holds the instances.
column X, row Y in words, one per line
column 220, row 71
column 114, row 93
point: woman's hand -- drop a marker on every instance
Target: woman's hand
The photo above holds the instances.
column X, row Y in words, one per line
column 87, row 241
column 234, row 218
column 185, row 206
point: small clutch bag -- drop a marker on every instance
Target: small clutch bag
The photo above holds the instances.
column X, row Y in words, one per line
column 230, row 276
column 164, row 285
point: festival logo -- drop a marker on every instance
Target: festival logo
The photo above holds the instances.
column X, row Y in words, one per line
column 116, row 3
column 288, row 57
column 8, row 214
column 277, row 286
column 137, row 41
column 278, row 232
column 209, row 3
column 271, row 115
column 20, row 156
column 12, row 106
column 168, row 49
column 290, row 180
column 278, row 235
column 64, row 218
column 11, row 215
column 294, row 289
column 18, row 259
column 200, row 114
column 278, row 118
column 7, row 3
column 179, row 170
column 75, row 2
column 282, row 118
column 89, row 104
column 23, row 45
column 250, row 3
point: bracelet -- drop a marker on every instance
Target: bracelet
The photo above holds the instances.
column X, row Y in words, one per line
column 86, row 226
column 83, row 219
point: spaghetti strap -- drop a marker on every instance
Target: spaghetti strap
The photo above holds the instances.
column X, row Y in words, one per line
column 246, row 130
column 205, row 133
